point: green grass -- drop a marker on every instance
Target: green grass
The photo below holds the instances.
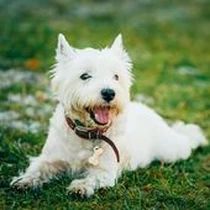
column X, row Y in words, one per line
column 163, row 38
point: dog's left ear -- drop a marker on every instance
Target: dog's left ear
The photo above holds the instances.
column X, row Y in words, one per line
column 64, row 51
column 117, row 45
column 118, row 48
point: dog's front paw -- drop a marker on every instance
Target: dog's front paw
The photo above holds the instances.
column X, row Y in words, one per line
column 80, row 187
column 23, row 182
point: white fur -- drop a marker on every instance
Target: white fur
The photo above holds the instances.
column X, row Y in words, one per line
column 140, row 134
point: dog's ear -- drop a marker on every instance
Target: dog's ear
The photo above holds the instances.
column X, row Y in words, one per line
column 119, row 50
column 64, row 50
column 117, row 45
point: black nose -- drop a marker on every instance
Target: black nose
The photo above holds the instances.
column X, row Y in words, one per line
column 107, row 94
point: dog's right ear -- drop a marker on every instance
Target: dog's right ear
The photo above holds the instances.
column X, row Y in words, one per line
column 64, row 51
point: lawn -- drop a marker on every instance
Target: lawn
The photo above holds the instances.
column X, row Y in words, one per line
column 168, row 42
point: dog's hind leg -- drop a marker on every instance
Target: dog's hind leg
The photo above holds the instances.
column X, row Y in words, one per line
column 39, row 172
column 192, row 131
column 178, row 142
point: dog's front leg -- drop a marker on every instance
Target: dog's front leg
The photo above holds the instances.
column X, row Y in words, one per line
column 51, row 162
column 103, row 175
column 40, row 171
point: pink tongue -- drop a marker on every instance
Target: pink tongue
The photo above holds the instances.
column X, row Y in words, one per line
column 102, row 115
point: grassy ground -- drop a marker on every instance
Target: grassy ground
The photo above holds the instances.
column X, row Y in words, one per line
column 169, row 44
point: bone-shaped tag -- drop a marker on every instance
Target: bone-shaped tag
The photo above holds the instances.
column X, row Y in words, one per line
column 94, row 159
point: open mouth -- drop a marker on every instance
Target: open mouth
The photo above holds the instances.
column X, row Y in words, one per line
column 100, row 114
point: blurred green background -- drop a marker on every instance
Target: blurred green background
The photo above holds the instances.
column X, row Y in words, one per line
column 168, row 42
column 177, row 32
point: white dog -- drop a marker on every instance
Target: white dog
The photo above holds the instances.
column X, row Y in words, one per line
column 97, row 129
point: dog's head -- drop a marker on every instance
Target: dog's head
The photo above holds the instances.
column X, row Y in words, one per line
column 92, row 84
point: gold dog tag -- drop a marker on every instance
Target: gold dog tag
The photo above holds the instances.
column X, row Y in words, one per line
column 94, row 159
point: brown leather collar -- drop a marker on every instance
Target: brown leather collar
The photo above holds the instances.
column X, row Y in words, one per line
column 91, row 134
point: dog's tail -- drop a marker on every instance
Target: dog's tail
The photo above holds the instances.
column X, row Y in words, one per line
column 192, row 131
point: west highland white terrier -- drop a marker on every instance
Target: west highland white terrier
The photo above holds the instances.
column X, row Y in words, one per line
column 96, row 129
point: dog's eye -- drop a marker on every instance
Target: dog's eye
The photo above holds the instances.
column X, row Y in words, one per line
column 85, row 76
column 116, row 77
